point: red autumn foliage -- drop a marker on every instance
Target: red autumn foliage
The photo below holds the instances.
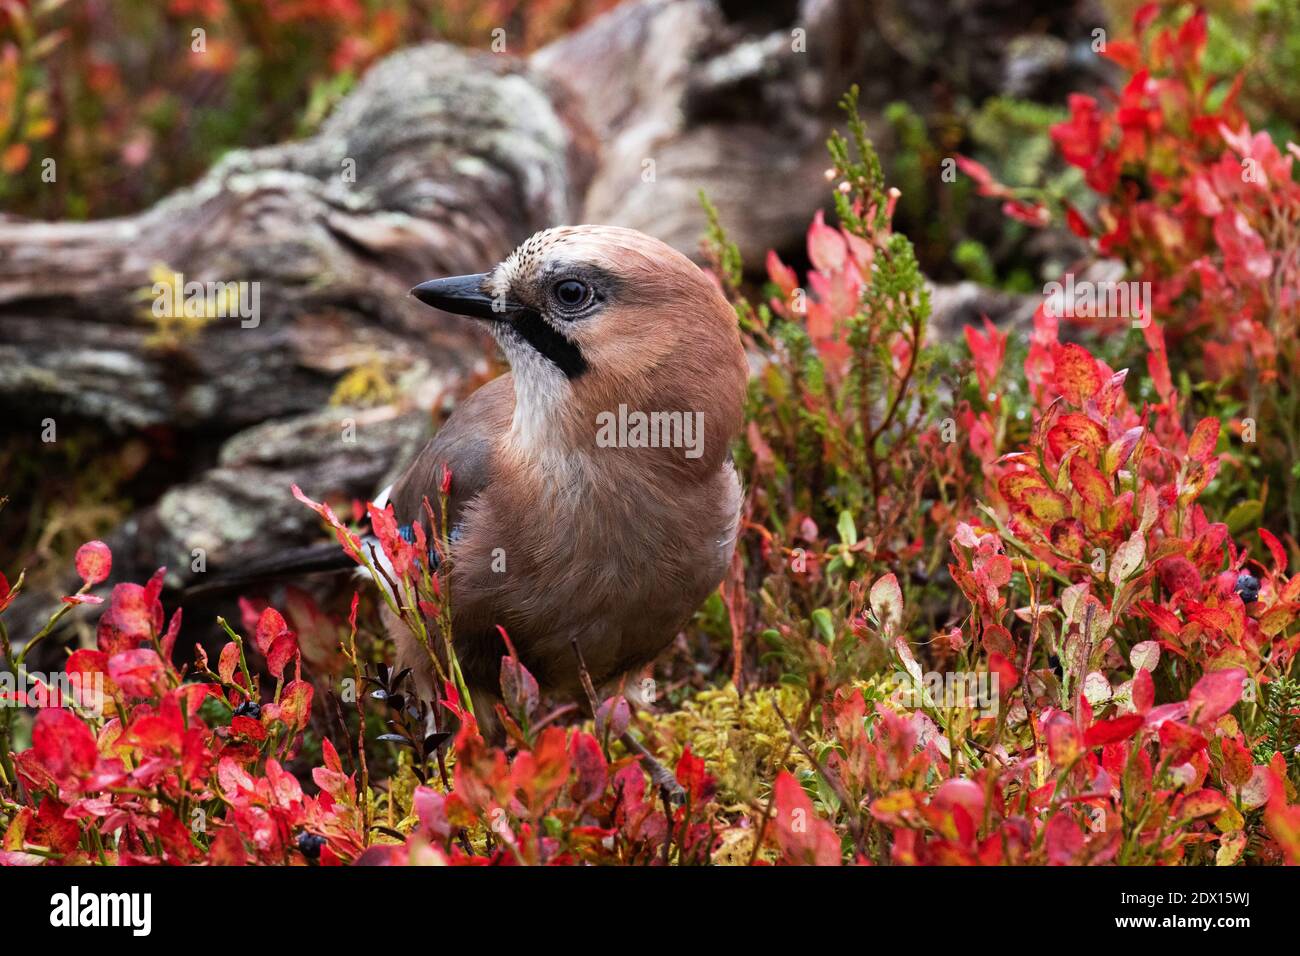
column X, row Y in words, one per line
column 1130, row 644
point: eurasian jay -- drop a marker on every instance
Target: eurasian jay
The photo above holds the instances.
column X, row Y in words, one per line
column 593, row 497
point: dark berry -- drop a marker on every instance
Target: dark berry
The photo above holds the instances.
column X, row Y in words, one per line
column 1247, row 587
column 249, row 708
column 309, row 844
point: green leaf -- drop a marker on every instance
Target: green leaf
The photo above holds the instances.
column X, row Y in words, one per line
column 848, row 531
column 824, row 624
column 1244, row 516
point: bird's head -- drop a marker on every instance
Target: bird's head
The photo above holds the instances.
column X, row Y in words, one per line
column 594, row 318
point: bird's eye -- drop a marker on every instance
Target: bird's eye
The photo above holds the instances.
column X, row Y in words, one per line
column 571, row 293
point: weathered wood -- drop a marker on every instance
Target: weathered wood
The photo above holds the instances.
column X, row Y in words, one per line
column 457, row 157
column 685, row 98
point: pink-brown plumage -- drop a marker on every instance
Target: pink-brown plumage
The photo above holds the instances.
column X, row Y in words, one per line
column 556, row 536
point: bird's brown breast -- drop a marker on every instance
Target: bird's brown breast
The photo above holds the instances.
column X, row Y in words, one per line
column 601, row 553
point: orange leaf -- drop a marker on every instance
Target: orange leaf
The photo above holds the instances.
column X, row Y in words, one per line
column 1076, row 374
column 1200, row 447
column 13, row 159
column 1091, row 485
column 1074, row 430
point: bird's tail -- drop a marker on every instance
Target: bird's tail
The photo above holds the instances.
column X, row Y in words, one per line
column 312, row 559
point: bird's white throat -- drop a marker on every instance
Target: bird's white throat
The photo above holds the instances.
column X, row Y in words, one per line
column 540, row 391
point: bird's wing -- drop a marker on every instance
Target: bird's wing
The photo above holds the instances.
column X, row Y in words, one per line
column 464, row 445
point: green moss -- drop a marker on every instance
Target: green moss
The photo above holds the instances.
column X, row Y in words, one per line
column 740, row 738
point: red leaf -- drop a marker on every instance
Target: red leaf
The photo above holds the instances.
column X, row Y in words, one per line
column 283, row 651
column 1005, row 671
column 959, row 792
column 1076, row 430
column 347, row 538
column 1238, row 764
column 1275, row 548
column 1246, row 258
column 1215, row 694
column 431, row 809
column 826, row 246
column 519, row 689
column 270, row 626
column 804, row 837
column 1108, row 731
column 1076, row 374
column 886, row 599
column 1069, row 537
column 1158, row 368
column 1063, row 840
column 1283, row 823
column 1200, row 447
column 94, row 562
column 50, row 828
column 781, row 275
column 694, row 778
column 1091, row 485
column 352, row 613
column 591, row 768
column 1202, row 803
column 1144, row 15
column 227, row 849
column 63, row 745
column 138, row 673
column 984, row 181
column 133, row 613
column 1064, row 742
column 169, row 638
column 1078, row 225
column 1161, row 617
column 1179, row 742
column 612, row 717
column 228, row 662
column 295, row 704
column 1032, row 214
column 156, row 733
column 997, row 640
column 1014, row 484
column 86, row 661
column 330, row 756
column 987, row 351
column 248, row 727
column 1144, row 691
column 1118, row 452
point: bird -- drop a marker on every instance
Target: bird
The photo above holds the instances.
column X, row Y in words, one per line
column 593, row 497
column 593, row 503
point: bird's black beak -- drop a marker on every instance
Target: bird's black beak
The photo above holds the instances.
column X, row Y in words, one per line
column 463, row 295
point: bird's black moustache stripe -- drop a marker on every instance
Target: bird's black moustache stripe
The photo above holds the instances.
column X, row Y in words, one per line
column 539, row 333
